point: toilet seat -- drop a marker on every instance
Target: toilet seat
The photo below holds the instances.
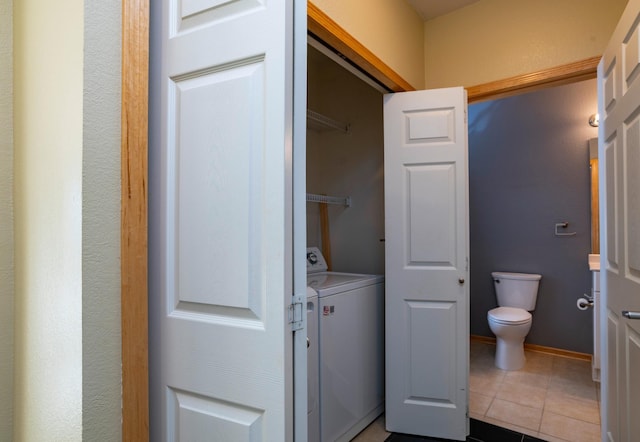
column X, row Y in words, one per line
column 509, row 315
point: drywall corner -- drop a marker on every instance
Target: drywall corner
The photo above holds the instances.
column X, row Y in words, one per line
column 391, row 29
column 496, row 39
column 6, row 218
column 101, row 337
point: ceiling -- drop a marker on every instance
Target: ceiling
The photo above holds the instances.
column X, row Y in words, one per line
column 429, row 9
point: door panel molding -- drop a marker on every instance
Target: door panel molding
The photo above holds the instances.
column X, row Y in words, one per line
column 134, row 148
column 619, row 147
column 426, row 250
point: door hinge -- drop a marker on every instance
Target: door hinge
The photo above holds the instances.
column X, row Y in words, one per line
column 296, row 312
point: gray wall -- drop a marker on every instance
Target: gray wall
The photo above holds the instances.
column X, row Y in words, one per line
column 341, row 164
column 529, row 169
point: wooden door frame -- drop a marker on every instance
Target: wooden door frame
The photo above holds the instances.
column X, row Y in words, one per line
column 134, row 173
column 133, row 223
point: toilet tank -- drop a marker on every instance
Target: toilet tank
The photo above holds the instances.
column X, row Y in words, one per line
column 516, row 289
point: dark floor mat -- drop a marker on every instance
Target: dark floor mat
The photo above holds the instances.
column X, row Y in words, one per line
column 480, row 432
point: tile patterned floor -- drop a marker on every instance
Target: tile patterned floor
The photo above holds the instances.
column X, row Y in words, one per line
column 552, row 398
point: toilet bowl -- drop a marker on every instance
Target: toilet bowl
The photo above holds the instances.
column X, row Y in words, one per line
column 510, row 325
column 511, row 321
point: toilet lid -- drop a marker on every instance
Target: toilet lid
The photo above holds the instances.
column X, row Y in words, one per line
column 509, row 315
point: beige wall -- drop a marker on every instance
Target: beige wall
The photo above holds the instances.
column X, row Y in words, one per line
column 48, row 214
column 66, row 131
column 496, row 39
column 391, row 29
column 6, row 219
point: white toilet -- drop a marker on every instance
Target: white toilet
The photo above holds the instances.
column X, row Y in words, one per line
column 511, row 320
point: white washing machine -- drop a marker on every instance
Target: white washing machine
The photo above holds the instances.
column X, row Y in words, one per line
column 313, row 379
column 350, row 319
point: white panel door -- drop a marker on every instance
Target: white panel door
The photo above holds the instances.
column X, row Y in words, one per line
column 619, row 150
column 221, row 220
column 427, row 273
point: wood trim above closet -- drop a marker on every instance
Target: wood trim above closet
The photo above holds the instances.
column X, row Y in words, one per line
column 333, row 35
column 556, row 76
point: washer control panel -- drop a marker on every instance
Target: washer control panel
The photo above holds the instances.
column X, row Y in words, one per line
column 315, row 260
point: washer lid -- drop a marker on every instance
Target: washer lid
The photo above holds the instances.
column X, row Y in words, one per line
column 509, row 315
column 331, row 283
column 319, row 281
